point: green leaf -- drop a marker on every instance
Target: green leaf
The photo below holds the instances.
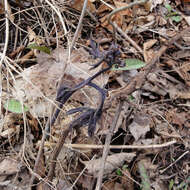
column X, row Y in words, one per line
column 144, row 177
column 171, row 184
column 15, row 106
column 118, row 172
column 130, row 64
column 168, row 7
column 124, row 167
column 131, row 98
column 176, row 18
column 40, row 48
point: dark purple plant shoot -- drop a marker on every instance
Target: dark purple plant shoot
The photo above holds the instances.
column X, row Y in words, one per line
column 88, row 116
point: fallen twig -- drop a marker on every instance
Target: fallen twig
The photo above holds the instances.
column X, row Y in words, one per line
column 106, row 147
column 79, row 25
column 116, row 27
column 94, row 146
column 56, row 153
column 162, row 171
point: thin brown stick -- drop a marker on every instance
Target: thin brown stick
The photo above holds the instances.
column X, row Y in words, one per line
column 40, row 151
column 56, row 153
column 107, row 143
column 94, row 146
column 162, row 171
column 132, row 42
column 116, row 27
column 43, row 24
column 79, row 25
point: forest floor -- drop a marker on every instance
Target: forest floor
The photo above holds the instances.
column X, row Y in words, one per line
column 95, row 94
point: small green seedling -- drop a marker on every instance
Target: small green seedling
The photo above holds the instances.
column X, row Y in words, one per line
column 40, row 48
column 130, row 64
column 15, row 106
column 131, row 98
column 145, row 181
column 172, row 14
column 171, row 184
column 118, row 172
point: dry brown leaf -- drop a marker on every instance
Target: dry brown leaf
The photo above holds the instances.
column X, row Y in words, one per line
column 163, row 84
column 170, row 33
column 78, row 5
column 10, row 131
column 148, row 54
column 8, row 127
column 147, row 45
column 119, row 182
column 118, row 18
column 104, row 22
column 9, row 166
column 161, row 21
column 112, row 163
column 153, row 88
column 186, row 38
column 187, row 18
column 103, row 8
column 18, row 180
column 179, row 92
column 148, row 20
column 148, row 5
column 126, row 12
column 140, row 126
column 182, row 54
column 180, row 119
column 184, row 72
column 183, row 69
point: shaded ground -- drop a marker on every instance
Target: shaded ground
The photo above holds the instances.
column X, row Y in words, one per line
column 137, row 112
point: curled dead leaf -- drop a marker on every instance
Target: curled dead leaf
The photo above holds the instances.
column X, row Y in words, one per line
column 112, row 163
column 140, row 126
column 9, row 166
